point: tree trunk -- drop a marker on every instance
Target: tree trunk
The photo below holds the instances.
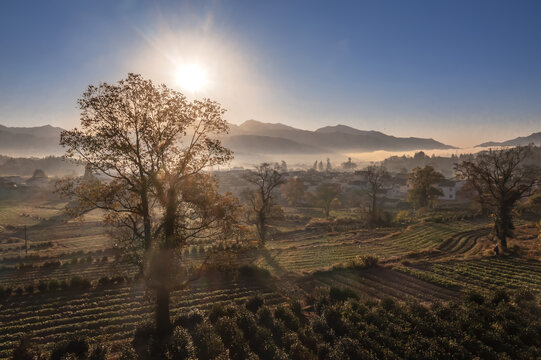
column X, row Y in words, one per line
column 373, row 210
column 147, row 226
column 503, row 225
column 503, row 243
column 163, row 321
column 164, row 267
column 262, row 227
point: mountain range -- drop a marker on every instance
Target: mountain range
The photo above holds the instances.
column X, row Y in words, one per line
column 534, row 138
column 30, row 141
column 259, row 137
column 251, row 137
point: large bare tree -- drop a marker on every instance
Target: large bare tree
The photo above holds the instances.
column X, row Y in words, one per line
column 264, row 181
column 149, row 147
column 501, row 177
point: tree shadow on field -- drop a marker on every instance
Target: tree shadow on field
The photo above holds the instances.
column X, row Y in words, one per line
column 271, row 261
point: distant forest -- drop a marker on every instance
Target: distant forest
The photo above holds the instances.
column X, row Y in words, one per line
column 51, row 165
column 443, row 164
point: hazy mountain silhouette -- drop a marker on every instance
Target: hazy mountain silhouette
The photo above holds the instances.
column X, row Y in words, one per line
column 337, row 138
column 521, row 140
column 268, row 145
column 251, row 137
column 30, row 141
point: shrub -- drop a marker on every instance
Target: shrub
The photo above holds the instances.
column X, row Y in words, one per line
column 190, row 320
column 216, row 312
column 29, row 289
column 77, row 346
column 254, row 272
column 475, row 297
column 524, row 295
column 75, row 282
column 342, row 294
column 254, row 303
column 99, row 352
column 119, row 279
column 404, row 217
column 54, row 285
column 296, row 308
column 286, row 315
column 42, row 286
column 500, row 295
column 23, row 351
column 5, row 291
column 232, row 338
column 264, row 317
column 297, row 351
column 181, row 346
column 369, row 261
column 104, row 281
column 64, row 285
column 78, row 282
column 208, row 343
column 128, row 353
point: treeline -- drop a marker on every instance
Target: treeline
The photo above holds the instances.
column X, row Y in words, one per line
column 443, row 164
column 51, row 165
column 337, row 326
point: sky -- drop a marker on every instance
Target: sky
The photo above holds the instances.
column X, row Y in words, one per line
column 461, row 72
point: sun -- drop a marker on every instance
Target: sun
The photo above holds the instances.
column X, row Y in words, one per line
column 191, row 78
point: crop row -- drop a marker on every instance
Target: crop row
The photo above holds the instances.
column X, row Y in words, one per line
column 482, row 274
column 110, row 314
column 377, row 283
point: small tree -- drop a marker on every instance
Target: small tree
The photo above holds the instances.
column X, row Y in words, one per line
column 264, row 180
column 349, row 165
column 501, row 178
column 293, row 190
column 325, row 194
column 375, row 176
column 422, row 193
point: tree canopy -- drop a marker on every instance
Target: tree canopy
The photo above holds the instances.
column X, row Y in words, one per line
column 422, row 191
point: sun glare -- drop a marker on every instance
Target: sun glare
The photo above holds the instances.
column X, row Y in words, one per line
column 191, row 78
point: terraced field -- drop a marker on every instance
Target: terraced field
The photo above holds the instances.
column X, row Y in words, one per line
column 381, row 282
column 309, row 251
column 65, row 237
column 22, row 277
column 487, row 273
column 107, row 315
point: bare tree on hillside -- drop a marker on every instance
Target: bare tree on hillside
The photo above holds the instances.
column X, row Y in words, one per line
column 501, row 179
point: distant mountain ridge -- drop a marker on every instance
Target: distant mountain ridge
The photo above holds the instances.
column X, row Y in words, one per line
column 534, row 138
column 30, row 141
column 332, row 139
column 251, row 137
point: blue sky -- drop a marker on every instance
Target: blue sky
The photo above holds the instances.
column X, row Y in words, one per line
column 458, row 71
